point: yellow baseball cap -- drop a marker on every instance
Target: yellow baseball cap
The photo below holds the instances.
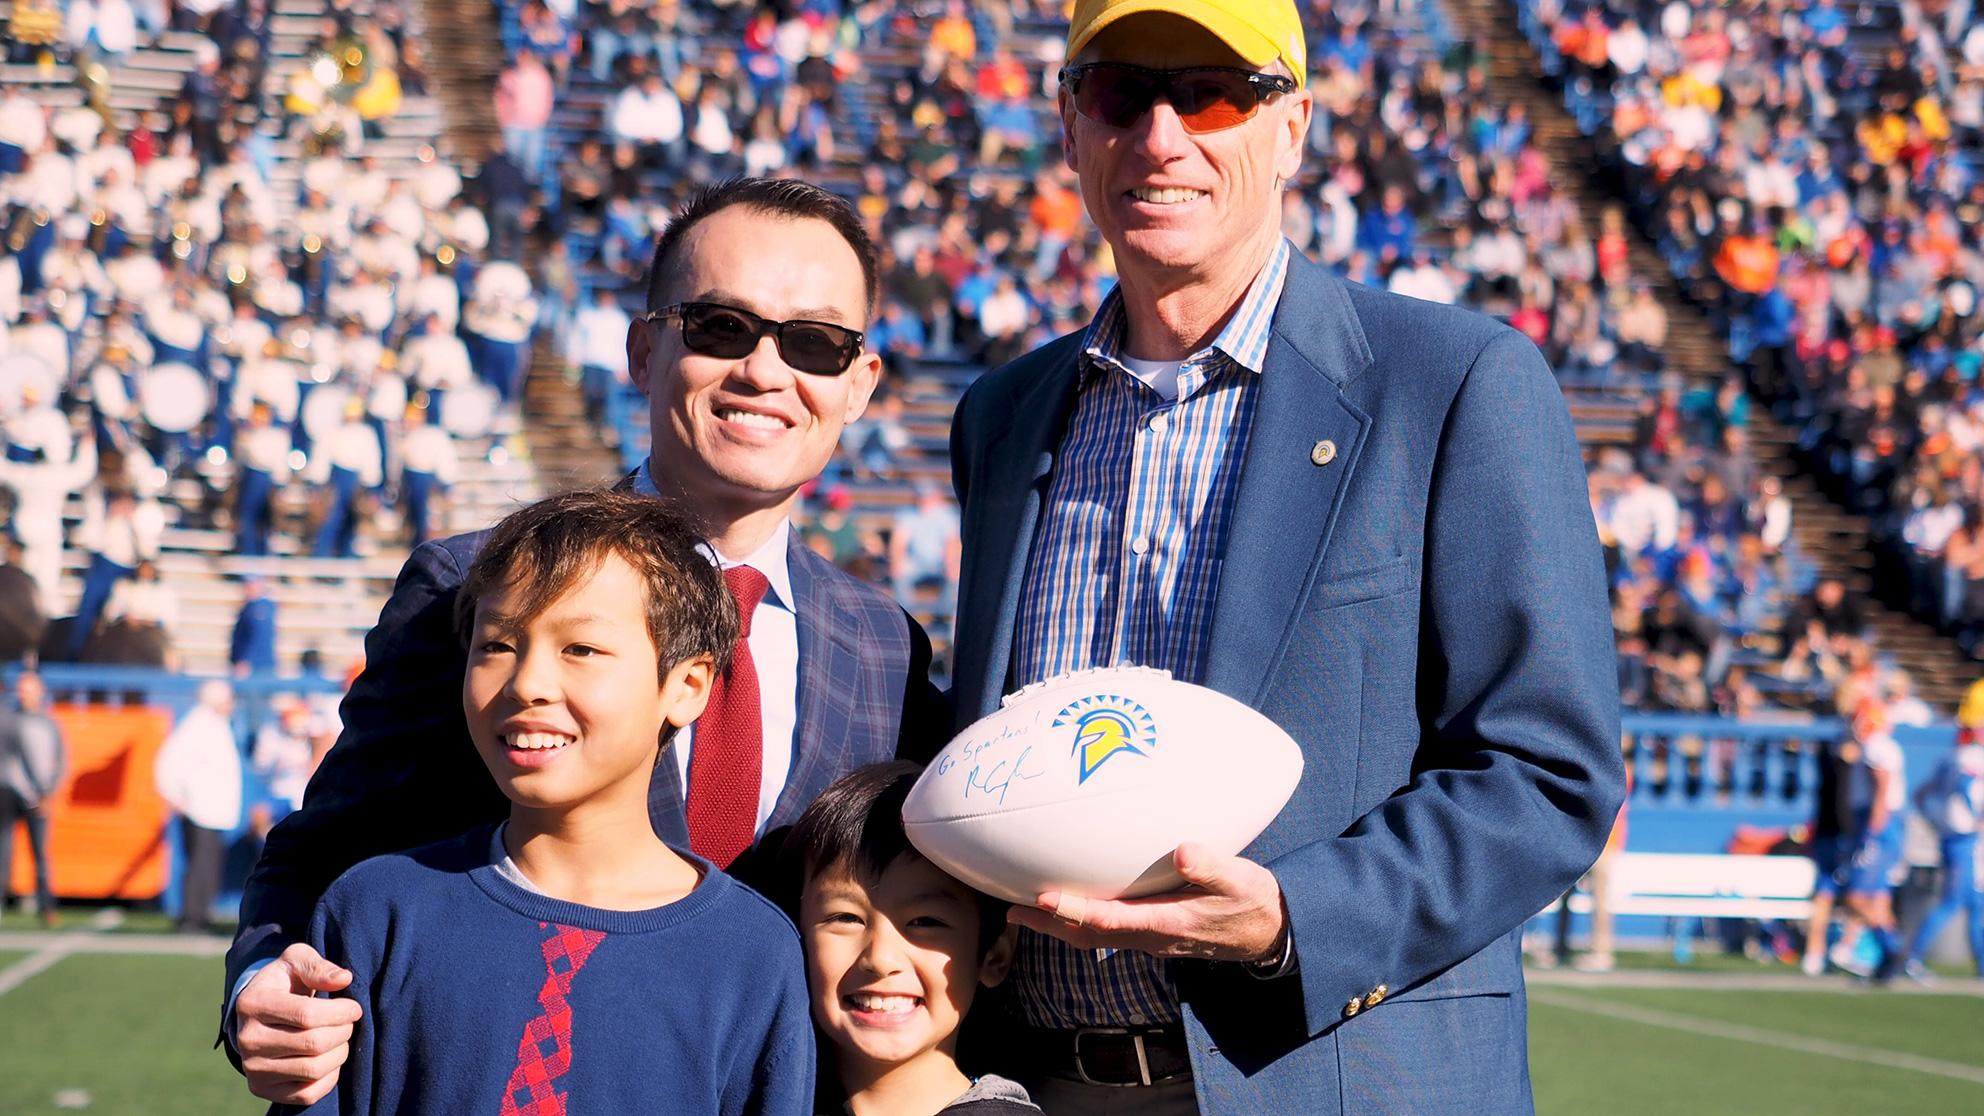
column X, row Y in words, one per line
column 1259, row 31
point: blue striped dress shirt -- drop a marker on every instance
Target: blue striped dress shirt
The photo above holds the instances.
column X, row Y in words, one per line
column 1124, row 570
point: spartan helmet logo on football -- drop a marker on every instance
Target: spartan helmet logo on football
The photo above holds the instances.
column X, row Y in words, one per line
column 1106, row 726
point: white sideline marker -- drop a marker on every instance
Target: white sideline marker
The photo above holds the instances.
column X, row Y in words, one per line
column 44, row 959
column 1760, row 1036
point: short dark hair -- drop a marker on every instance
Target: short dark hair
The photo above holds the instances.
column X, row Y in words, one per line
column 779, row 197
column 855, row 827
column 547, row 547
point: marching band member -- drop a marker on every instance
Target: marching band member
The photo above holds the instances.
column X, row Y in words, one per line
column 355, row 351
column 166, row 176
column 436, row 361
column 135, row 276
column 121, row 528
column 243, row 335
column 48, row 181
column 72, row 268
column 363, row 298
column 275, row 293
column 10, row 293
column 38, row 432
column 436, row 183
column 40, row 491
column 23, row 128
column 465, row 227
column 114, row 395
column 502, row 313
column 269, row 379
column 385, row 394
column 348, row 460
column 177, row 333
column 105, row 158
column 434, row 295
column 40, row 337
column 427, row 470
column 261, row 455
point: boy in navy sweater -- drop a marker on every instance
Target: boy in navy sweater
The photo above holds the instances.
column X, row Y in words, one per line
column 567, row 960
column 895, row 951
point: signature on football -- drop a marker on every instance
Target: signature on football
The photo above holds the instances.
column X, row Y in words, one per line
column 995, row 780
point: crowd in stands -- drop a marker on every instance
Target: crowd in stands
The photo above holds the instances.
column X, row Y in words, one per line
column 1811, row 171
column 173, row 306
column 1418, row 181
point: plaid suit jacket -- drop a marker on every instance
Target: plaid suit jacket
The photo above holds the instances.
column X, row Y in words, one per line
column 404, row 773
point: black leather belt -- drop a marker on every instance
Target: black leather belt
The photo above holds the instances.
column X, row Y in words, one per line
column 1121, row 1057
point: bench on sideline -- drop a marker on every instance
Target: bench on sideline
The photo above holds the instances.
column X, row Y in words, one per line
column 1708, row 885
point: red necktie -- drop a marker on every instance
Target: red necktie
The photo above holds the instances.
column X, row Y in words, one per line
column 727, row 763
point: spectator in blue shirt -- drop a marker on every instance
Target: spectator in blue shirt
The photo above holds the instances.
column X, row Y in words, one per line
column 1349, row 48
column 898, row 332
column 252, row 650
column 1388, row 232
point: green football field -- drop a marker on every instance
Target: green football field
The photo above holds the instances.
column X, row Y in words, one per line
column 133, row 1034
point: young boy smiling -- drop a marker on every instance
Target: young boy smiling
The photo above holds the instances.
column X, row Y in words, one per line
column 567, row 959
column 895, row 951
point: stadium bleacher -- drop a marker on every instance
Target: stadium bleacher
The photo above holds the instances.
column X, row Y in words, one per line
column 327, row 604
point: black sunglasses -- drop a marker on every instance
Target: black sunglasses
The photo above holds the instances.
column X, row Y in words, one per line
column 713, row 329
column 1206, row 98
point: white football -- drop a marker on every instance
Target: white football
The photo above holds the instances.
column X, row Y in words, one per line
column 1087, row 782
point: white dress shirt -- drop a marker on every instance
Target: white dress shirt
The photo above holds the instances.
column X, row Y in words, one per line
column 198, row 770
column 775, row 652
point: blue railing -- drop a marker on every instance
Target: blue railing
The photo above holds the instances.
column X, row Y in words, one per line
column 94, row 684
column 1695, row 778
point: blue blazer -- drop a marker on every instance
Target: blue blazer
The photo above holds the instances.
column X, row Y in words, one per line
column 404, row 773
column 1425, row 613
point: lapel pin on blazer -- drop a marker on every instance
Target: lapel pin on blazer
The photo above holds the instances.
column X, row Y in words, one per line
column 1323, row 453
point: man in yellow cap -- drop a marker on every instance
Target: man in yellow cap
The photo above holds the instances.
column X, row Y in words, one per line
column 1363, row 514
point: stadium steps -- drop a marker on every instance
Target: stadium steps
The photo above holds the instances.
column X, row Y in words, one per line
column 1837, row 542
column 327, row 604
column 563, row 448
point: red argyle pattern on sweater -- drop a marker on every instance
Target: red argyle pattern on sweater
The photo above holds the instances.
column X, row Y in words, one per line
column 545, row 1051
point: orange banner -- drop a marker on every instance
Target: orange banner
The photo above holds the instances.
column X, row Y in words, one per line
column 106, row 823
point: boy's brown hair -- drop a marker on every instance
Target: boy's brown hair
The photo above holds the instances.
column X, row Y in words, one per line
column 546, row 548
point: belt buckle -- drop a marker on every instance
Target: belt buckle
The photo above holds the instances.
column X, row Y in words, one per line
column 1136, row 1044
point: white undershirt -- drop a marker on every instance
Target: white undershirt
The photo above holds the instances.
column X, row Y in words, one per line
column 1160, row 375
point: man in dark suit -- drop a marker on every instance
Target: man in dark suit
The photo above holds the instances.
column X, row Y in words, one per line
column 1362, row 514
column 751, row 359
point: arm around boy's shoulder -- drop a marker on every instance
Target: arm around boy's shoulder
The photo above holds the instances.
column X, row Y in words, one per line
column 403, row 772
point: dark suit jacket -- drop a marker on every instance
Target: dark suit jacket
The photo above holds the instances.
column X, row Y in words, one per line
column 404, row 773
column 1425, row 612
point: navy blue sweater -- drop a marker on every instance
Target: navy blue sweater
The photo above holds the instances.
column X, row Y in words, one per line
column 482, row 997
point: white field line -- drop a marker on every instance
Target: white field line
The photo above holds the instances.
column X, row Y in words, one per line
column 1745, row 982
column 148, row 945
column 55, row 949
column 1760, row 1036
